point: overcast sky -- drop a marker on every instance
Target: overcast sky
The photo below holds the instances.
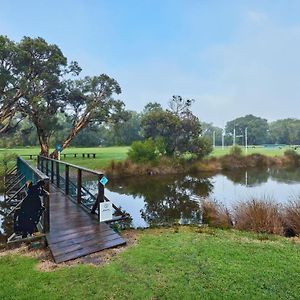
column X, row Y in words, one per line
column 233, row 57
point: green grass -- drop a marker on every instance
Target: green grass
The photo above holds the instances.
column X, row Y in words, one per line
column 276, row 151
column 106, row 154
column 184, row 263
column 103, row 155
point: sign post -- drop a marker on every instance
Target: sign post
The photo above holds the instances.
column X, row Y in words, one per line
column 58, row 149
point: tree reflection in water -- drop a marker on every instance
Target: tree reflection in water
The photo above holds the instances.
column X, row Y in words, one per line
column 168, row 199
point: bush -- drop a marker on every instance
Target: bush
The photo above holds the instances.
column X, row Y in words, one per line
column 236, row 151
column 216, row 215
column 259, row 216
column 292, row 218
column 144, row 151
column 292, row 155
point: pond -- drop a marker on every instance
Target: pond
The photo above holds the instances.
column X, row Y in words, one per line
column 162, row 200
column 172, row 199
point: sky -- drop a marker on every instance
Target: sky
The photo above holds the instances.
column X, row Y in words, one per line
column 233, row 57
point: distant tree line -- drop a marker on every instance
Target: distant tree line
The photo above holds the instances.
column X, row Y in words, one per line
column 44, row 102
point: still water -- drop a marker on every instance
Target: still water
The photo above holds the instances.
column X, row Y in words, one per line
column 158, row 200
column 175, row 199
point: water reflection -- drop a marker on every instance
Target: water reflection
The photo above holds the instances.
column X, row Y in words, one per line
column 172, row 199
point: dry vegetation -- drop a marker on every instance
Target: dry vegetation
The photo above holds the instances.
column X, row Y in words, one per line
column 262, row 216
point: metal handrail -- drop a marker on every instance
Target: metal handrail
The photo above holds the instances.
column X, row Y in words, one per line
column 72, row 165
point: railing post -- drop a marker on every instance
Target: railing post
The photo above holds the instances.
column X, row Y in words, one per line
column 46, row 202
column 67, row 179
column 57, row 174
column 47, row 167
column 79, row 183
column 52, row 171
column 38, row 162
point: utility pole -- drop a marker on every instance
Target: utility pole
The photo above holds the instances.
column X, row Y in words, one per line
column 246, row 140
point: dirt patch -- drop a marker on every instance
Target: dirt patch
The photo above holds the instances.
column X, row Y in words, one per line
column 46, row 262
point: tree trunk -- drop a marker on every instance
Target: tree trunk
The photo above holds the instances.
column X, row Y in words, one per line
column 44, row 142
column 82, row 122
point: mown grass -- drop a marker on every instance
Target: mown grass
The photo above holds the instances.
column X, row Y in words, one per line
column 103, row 155
column 177, row 263
column 268, row 151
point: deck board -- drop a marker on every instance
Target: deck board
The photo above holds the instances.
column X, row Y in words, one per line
column 74, row 232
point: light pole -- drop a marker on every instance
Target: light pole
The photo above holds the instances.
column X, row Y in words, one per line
column 214, row 139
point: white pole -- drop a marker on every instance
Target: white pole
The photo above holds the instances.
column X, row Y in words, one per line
column 233, row 136
column 246, row 140
column 214, row 139
column 223, row 134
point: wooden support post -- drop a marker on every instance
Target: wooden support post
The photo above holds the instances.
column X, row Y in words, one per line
column 75, row 154
column 52, row 171
column 83, row 155
column 88, row 155
column 79, row 183
column 94, row 155
column 30, row 156
column 57, row 174
column 46, row 202
column 67, row 179
column 65, row 155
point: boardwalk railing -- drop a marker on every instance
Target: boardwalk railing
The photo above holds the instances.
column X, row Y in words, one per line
column 16, row 189
column 70, row 179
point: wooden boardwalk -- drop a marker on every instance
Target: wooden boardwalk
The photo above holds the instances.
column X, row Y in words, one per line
column 74, row 232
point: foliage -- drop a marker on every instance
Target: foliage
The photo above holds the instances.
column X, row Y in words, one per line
column 33, row 84
column 257, row 129
column 144, row 151
column 286, row 131
column 208, row 130
column 178, row 127
column 236, row 151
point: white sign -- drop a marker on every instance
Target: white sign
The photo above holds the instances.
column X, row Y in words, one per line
column 106, row 211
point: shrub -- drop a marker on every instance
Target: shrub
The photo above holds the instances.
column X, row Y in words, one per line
column 259, row 216
column 236, row 151
column 144, row 151
column 216, row 215
column 292, row 218
column 292, row 155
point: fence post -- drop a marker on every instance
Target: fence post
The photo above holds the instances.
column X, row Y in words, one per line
column 38, row 162
column 79, row 183
column 46, row 202
column 47, row 167
column 52, row 171
column 57, row 174
column 67, row 179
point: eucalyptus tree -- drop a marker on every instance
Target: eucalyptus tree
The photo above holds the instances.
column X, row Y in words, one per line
column 35, row 83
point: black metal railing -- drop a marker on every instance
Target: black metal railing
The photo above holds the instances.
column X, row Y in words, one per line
column 69, row 178
column 15, row 190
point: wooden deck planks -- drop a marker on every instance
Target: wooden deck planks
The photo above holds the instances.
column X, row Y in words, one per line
column 75, row 233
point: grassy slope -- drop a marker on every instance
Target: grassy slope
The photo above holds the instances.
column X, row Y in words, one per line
column 187, row 263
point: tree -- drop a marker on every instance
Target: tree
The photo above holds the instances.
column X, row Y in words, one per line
column 178, row 127
column 285, row 131
column 258, row 129
column 208, row 130
column 33, row 85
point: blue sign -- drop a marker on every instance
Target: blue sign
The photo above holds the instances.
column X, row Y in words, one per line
column 104, row 180
column 58, row 148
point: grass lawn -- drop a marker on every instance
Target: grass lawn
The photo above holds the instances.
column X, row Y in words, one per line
column 268, row 151
column 176, row 263
column 103, row 155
